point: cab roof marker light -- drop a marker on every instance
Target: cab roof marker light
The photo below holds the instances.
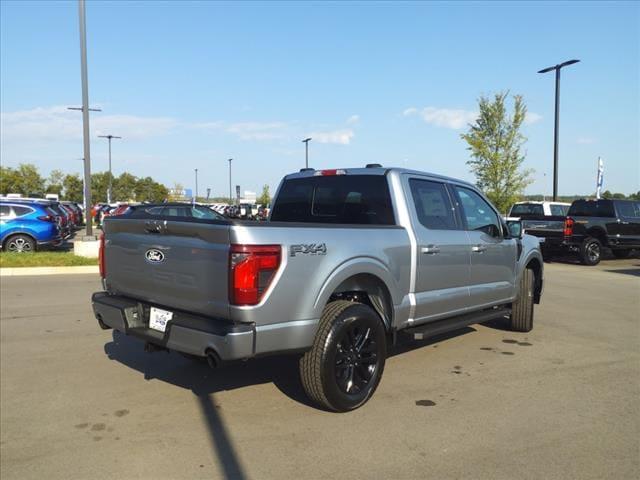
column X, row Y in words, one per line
column 329, row 173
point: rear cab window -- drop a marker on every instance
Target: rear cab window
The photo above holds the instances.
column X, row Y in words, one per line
column 526, row 209
column 592, row 208
column 339, row 199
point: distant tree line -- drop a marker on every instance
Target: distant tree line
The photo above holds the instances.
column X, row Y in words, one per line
column 26, row 180
column 571, row 198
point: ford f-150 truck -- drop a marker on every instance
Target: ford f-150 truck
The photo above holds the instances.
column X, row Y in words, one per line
column 348, row 259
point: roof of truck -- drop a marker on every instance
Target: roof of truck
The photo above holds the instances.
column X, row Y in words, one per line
column 375, row 170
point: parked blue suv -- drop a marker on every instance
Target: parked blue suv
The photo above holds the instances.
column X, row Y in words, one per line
column 27, row 226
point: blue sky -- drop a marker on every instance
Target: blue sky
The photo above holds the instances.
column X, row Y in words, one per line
column 191, row 84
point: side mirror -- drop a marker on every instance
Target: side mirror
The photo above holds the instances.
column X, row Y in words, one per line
column 515, row 228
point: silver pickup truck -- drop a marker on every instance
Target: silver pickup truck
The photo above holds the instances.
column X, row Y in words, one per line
column 348, row 259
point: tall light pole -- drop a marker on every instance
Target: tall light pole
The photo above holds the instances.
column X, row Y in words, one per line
column 306, row 151
column 196, row 197
column 556, row 132
column 230, row 197
column 109, row 137
column 85, row 114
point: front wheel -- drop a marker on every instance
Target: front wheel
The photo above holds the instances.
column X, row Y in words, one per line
column 345, row 363
column 522, row 308
column 590, row 251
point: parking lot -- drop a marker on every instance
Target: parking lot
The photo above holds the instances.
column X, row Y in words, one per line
column 559, row 402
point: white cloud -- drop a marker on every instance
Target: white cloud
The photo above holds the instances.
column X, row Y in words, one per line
column 257, row 130
column 59, row 123
column 585, row 140
column 456, row 118
column 443, row 117
column 353, row 120
column 532, row 118
column 248, row 130
column 341, row 137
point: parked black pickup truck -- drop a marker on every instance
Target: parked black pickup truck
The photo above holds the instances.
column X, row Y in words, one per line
column 544, row 220
column 593, row 224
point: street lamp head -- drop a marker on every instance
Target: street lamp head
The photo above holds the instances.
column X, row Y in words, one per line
column 548, row 69
column 569, row 62
column 306, row 140
column 559, row 66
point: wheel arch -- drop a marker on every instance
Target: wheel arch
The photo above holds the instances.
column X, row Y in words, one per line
column 535, row 265
column 599, row 233
column 366, row 280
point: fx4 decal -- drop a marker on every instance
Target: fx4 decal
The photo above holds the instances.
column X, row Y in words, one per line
column 308, row 249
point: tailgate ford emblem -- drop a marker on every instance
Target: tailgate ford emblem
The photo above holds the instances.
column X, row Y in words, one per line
column 154, row 256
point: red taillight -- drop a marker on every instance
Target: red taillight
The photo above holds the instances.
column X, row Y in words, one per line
column 252, row 267
column 101, row 264
column 47, row 218
column 568, row 227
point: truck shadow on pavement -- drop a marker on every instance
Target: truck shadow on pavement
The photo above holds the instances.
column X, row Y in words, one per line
column 198, row 377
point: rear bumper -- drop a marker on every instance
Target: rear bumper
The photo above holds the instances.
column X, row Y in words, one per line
column 185, row 332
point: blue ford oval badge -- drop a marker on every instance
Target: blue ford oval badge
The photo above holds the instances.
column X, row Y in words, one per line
column 154, row 256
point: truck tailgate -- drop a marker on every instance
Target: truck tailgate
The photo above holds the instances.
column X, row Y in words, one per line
column 172, row 264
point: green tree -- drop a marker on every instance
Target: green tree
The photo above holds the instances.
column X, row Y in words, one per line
column 607, row 194
column 495, row 143
column 265, row 198
column 55, row 182
column 148, row 190
column 99, row 186
column 8, row 180
column 27, row 180
column 73, row 188
column 124, row 187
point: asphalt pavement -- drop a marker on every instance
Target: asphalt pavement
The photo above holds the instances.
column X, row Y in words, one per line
column 560, row 402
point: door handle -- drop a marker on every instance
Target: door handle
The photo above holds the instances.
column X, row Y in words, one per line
column 430, row 249
column 152, row 227
column 479, row 249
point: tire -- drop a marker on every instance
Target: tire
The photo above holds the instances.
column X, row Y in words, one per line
column 590, row 251
column 20, row 244
column 344, row 366
column 621, row 253
column 522, row 308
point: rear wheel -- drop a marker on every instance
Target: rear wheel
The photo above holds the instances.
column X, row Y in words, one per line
column 590, row 251
column 621, row 253
column 20, row 244
column 345, row 363
column 522, row 308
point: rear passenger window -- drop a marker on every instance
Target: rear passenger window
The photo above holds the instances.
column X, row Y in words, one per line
column 5, row 211
column 433, row 206
column 628, row 209
column 20, row 211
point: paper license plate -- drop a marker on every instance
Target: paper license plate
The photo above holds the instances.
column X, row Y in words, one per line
column 158, row 319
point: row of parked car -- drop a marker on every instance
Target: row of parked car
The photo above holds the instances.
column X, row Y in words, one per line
column 29, row 224
column 583, row 228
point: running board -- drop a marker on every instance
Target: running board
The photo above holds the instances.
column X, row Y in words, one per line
column 428, row 330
